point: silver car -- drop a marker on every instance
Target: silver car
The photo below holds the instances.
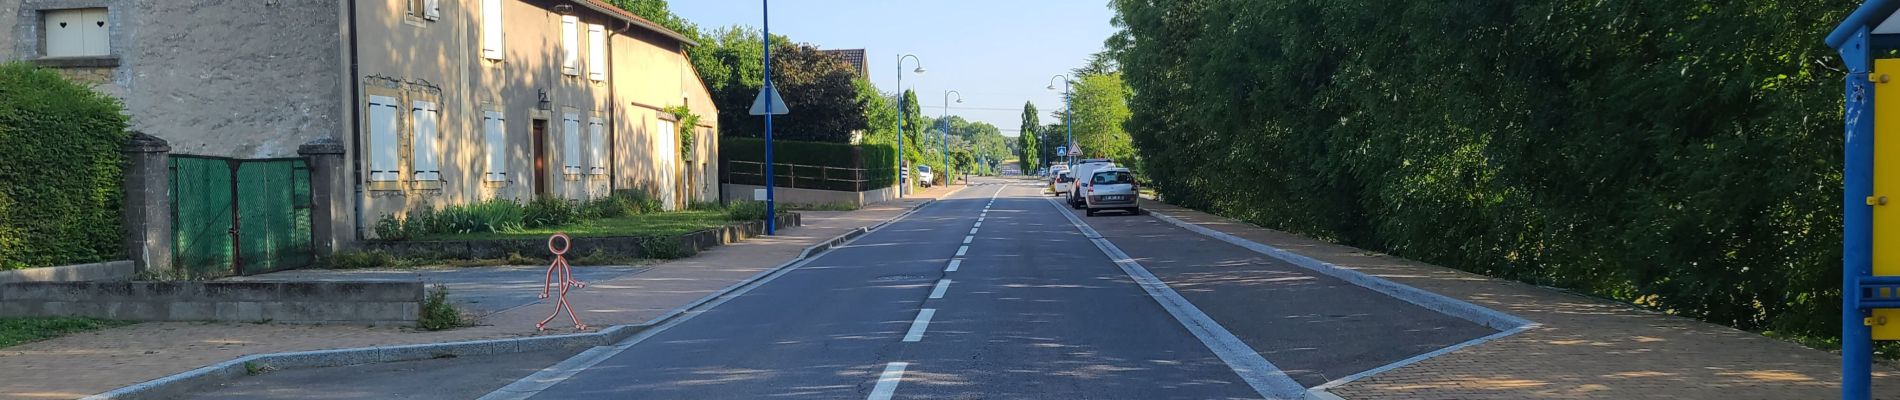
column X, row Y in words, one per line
column 1112, row 188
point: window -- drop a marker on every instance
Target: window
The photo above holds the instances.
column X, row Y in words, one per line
column 495, row 133
column 425, row 9
column 571, row 143
column 597, row 52
column 423, row 161
column 597, row 146
column 491, row 29
column 80, row 32
column 382, row 139
column 570, row 45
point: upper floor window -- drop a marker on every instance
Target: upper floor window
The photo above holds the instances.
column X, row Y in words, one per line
column 596, row 52
column 570, row 45
column 78, row 32
column 491, row 29
column 426, row 9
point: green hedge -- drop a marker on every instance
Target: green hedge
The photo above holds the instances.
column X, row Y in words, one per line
column 877, row 161
column 62, row 170
column 1673, row 154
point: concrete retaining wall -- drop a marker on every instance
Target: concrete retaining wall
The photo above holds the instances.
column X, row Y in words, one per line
column 110, row 271
column 624, row 246
column 811, row 196
column 374, row 303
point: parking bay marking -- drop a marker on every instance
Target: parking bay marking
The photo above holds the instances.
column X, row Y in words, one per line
column 963, row 250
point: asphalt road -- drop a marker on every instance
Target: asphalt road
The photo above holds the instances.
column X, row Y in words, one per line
column 992, row 292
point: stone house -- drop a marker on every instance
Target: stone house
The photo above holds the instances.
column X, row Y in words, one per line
column 430, row 102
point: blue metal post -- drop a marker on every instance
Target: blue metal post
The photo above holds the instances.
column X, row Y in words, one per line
column 1857, row 220
column 771, row 212
column 903, row 116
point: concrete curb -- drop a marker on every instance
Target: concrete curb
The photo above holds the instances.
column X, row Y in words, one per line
column 182, row 384
column 1506, row 324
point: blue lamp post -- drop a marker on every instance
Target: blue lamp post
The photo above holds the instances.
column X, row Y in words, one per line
column 946, row 134
column 771, row 214
column 1068, row 110
column 903, row 115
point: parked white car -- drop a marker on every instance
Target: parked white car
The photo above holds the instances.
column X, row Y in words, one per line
column 1060, row 183
column 1112, row 188
column 1082, row 171
column 925, row 177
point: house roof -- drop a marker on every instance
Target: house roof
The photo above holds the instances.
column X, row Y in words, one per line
column 1870, row 15
column 624, row 15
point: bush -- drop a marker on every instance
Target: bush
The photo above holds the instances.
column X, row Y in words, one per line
column 607, row 207
column 437, row 313
column 62, row 170
column 662, row 248
column 746, row 211
column 495, row 215
column 546, row 212
column 640, row 201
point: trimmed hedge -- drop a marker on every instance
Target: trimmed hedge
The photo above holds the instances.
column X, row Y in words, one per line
column 62, row 170
column 878, row 161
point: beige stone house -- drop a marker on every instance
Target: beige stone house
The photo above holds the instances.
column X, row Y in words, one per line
column 434, row 102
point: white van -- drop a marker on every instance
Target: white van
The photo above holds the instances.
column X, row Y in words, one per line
column 1083, row 170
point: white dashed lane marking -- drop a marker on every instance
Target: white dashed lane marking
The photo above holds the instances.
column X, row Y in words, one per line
column 919, row 325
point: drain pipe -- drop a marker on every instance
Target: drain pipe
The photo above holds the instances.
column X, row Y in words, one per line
column 356, row 125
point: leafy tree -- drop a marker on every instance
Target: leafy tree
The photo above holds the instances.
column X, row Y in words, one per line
column 1100, row 111
column 658, row 12
column 1029, row 139
column 826, row 105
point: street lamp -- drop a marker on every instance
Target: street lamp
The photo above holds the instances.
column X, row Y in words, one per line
column 1068, row 119
column 946, row 133
column 902, row 116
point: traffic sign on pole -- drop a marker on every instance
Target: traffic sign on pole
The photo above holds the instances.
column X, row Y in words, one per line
column 777, row 106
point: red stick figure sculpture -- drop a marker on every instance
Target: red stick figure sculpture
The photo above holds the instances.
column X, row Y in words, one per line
column 565, row 278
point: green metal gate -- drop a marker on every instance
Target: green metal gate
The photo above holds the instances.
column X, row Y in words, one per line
column 239, row 217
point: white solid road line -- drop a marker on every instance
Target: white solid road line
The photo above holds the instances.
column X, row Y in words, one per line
column 942, row 285
column 887, row 383
column 1265, row 378
column 920, row 324
column 954, row 263
column 962, row 250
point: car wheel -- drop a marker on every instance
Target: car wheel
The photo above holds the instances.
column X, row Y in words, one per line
column 1090, row 212
column 1134, row 211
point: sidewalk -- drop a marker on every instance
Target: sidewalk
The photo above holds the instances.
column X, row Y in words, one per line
column 1585, row 348
column 84, row 364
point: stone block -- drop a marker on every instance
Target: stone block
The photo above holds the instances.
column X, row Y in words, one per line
column 192, row 311
column 249, row 311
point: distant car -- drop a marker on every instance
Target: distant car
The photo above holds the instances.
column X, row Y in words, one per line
column 1083, row 170
column 925, row 176
column 1060, row 183
column 1112, row 189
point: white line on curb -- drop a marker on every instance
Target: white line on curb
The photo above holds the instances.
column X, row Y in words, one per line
column 887, row 383
column 1265, row 378
column 919, row 325
column 962, row 250
column 942, row 286
column 953, row 265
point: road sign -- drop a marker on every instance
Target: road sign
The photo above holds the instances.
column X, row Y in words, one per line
column 778, row 102
column 1062, row 149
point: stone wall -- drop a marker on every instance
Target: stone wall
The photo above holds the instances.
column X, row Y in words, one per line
column 374, row 303
column 785, row 195
column 622, row 246
column 110, row 271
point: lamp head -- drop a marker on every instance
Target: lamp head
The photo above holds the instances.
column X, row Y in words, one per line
column 959, row 101
column 1052, row 86
column 919, row 70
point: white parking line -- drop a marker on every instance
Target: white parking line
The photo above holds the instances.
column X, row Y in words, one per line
column 887, row 383
column 920, row 324
column 942, row 285
column 954, row 263
column 967, row 239
column 962, row 250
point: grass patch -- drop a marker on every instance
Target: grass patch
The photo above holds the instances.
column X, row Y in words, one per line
column 655, row 224
column 16, row 331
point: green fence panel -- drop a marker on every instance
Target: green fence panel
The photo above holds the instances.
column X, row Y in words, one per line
column 273, row 220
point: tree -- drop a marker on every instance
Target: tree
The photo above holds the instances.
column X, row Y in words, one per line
column 658, row 12
column 1100, row 111
column 1029, row 139
column 826, row 104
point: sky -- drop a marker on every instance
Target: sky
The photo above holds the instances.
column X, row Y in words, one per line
column 996, row 53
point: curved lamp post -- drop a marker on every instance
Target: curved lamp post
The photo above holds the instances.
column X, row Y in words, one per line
column 946, row 134
column 902, row 117
column 1068, row 109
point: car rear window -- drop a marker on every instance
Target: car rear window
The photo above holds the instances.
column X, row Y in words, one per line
column 1114, row 178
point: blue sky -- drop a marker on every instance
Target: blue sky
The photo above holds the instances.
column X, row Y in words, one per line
column 996, row 53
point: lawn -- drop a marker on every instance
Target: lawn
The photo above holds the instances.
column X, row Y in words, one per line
column 655, row 224
column 15, row 331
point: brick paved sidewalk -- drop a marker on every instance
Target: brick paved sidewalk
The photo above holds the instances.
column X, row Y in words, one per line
column 1586, row 347
column 84, row 364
